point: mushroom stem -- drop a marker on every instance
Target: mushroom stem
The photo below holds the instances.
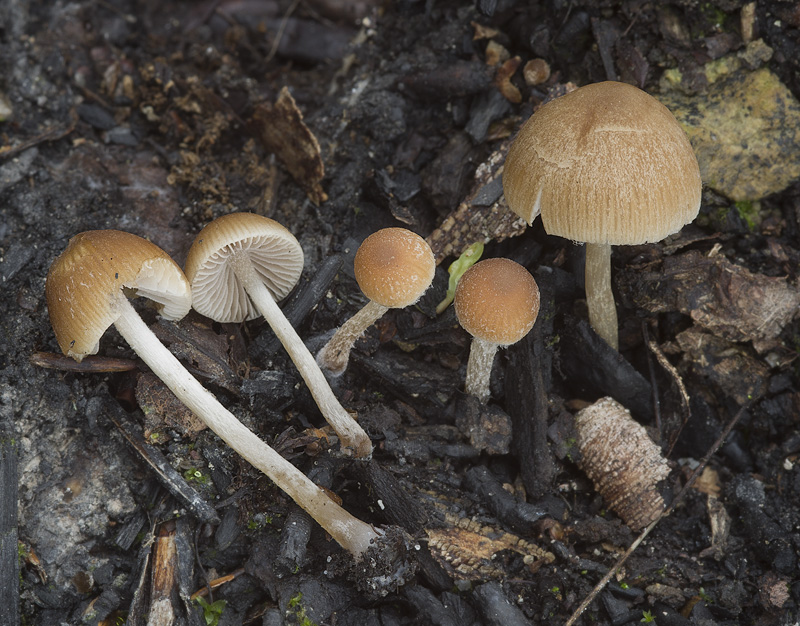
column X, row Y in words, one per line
column 351, row 533
column 599, row 297
column 479, row 368
column 350, row 433
column 335, row 354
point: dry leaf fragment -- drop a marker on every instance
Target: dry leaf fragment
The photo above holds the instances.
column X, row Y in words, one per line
column 622, row 461
column 722, row 297
column 283, row 132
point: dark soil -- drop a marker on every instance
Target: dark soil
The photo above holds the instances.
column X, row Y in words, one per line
column 156, row 117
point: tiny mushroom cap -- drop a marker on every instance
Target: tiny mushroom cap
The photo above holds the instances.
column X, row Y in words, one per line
column 238, row 265
column 85, row 282
column 274, row 252
column 496, row 301
column 394, row 267
column 606, row 163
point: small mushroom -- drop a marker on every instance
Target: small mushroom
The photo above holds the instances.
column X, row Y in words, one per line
column 497, row 301
column 238, row 266
column 622, row 461
column 393, row 268
column 86, row 291
column 606, row 164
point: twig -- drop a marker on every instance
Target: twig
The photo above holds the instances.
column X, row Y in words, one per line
column 621, row 561
column 281, row 29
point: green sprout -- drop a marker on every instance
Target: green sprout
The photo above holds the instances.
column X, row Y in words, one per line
column 456, row 270
column 647, row 616
column 211, row 611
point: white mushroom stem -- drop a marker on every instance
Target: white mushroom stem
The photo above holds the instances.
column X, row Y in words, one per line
column 335, row 355
column 599, row 297
column 350, row 433
column 351, row 533
column 479, row 368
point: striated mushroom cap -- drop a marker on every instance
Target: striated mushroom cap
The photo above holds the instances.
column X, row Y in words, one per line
column 606, row 164
column 497, row 300
column 394, row 267
column 622, row 461
column 273, row 250
column 88, row 278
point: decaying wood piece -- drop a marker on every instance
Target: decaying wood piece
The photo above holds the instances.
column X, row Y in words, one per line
column 723, row 297
column 163, row 577
column 622, row 461
column 482, row 216
column 282, row 131
column 467, row 550
column 9, row 549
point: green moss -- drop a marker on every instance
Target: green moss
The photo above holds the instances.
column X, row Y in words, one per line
column 297, row 612
column 749, row 212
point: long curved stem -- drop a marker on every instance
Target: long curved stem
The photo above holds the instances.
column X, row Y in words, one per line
column 599, row 297
column 479, row 368
column 335, row 354
column 350, row 532
column 350, row 433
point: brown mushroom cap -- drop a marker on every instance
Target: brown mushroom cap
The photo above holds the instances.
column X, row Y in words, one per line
column 607, row 164
column 497, row 300
column 394, row 267
column 86, row 280
column 274, row 252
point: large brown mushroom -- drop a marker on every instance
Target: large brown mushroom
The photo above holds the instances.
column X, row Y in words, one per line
column 238, row 266
column 606, row 164
column 87, row 291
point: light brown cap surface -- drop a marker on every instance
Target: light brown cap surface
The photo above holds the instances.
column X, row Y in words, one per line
column 274, row 252
column 394, row 267
column 86, row 280
column 497, row 300
column 607, row 164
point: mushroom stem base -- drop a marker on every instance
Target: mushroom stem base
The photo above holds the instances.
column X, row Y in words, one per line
column 335, row 354
column 350, row 433
column 599, row 297
column 479, row 368
column 350, row 532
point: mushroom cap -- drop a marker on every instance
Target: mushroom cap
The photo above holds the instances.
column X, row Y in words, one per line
column 394, row 267
column 87, row 279
column 275, row 253
column 606, row 164
column 497, row 300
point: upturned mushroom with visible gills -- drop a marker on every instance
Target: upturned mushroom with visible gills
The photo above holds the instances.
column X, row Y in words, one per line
column 86, row 292
column 238, row 266
column 606, row 164
column 497, row 302
column 393, row 268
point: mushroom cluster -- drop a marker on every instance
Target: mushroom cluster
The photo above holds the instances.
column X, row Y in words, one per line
column 86, row 292
column 606, row 164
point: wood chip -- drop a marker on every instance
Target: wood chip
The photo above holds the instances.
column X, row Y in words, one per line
column 282, row 131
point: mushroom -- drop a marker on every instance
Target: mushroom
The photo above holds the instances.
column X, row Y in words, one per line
column 497, row 301
column 86, row 291
column 393, row 268
column 606, row 164
column 238, row 266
